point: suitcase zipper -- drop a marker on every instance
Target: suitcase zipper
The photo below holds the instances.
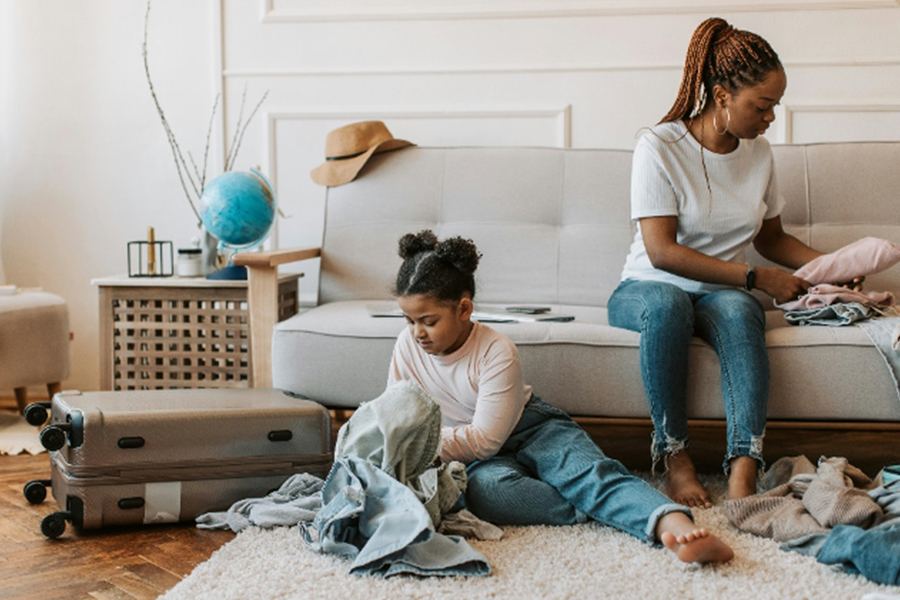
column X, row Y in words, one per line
column 198, row 470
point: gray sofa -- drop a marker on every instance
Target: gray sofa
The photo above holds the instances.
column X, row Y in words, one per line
column 554, row 228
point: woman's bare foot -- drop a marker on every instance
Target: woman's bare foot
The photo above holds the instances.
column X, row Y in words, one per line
column 742, row 480
column 691, row 543
column 682, row 484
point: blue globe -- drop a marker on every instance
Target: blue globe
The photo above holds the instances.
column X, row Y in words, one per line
column 238, row 208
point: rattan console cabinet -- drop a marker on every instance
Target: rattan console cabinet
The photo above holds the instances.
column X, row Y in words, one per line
column 179, row 332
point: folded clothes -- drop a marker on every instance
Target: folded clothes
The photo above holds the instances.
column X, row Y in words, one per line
column 825, row 294
column 833, row 315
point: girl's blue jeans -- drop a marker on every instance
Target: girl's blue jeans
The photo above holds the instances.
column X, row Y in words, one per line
column 550, row 472
column 733, row 323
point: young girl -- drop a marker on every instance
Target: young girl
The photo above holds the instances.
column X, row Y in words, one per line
column 528, row 462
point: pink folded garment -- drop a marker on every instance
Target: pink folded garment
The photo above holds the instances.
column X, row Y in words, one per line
column 820, row 296
column 862, row 257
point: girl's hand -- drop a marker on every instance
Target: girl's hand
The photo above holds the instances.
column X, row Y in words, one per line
column 782, row 286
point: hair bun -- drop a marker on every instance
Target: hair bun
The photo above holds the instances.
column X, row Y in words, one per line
column 460, row 252
column 414, row 243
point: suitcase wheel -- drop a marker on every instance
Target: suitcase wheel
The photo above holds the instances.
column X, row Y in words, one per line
column 36, row 491
column 53, row 437
column 54, row 525
column 36, row 413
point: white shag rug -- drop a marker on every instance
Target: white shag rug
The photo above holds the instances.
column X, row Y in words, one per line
column 17, row 436
column 580, row 561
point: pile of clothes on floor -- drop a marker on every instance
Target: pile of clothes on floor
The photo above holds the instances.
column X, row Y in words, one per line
column 388, row 504
column 832, row 511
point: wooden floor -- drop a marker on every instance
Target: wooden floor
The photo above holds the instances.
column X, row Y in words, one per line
column 114, row 564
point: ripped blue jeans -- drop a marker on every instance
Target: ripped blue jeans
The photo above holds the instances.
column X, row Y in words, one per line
column 733, row 323
column 549, row 471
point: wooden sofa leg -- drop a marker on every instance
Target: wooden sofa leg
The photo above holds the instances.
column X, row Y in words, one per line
column 53, row 389
column 22, row 398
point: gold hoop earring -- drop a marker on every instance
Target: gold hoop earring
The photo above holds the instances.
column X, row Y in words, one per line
column 727, row 122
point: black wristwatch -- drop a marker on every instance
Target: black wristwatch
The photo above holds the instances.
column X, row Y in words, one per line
column 750, row 280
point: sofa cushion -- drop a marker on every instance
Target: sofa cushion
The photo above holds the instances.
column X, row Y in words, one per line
column 554, row 214
column 339, row 355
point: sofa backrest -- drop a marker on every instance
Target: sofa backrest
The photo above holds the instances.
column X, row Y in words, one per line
column 553, row 224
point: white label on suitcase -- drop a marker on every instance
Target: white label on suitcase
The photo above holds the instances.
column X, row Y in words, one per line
column 162, row 502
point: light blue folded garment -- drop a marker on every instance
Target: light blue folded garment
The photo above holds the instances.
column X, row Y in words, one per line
column 298, row 499
column 833, row 315
column 381, row 525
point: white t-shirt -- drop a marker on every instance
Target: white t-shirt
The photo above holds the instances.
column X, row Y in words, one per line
column 479, row 388
column 667, row 180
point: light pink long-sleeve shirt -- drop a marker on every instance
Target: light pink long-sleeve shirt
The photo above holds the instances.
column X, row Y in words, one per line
column 479, row 388
column 862, row 257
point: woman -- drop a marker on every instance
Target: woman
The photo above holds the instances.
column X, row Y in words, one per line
column 704, row 188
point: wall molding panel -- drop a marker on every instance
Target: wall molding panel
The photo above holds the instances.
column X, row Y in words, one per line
column 532, row 69
column 304, row 200
column 286, row 11
column 560, row 117
column 793, row 112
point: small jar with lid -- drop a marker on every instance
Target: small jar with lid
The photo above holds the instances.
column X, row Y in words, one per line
column 190, row 262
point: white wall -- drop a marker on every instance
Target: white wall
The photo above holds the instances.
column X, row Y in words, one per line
column 84, row 165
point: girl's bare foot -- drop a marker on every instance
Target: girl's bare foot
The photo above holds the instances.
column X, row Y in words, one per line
column 699, row 546
column 682, row 484
column 691, row 543
column 742, row 480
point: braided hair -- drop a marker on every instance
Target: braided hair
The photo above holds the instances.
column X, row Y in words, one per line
column 444, row 270
column 719, row 54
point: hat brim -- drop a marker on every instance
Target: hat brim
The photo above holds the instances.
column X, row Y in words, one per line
column 333, row 173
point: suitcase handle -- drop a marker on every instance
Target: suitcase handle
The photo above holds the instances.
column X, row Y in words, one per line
column 282, row 435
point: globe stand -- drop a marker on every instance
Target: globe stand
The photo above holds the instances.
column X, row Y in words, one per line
column 230, row 273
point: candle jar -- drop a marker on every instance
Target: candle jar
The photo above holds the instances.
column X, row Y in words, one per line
column 190, row 262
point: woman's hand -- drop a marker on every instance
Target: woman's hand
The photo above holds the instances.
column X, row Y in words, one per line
column 782, row 286
column 856, row 285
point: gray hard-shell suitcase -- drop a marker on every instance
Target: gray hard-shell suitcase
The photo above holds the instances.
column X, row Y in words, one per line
column 158, row 456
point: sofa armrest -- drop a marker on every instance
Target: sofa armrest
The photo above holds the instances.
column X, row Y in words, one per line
column 273, row 258
column 262, row 304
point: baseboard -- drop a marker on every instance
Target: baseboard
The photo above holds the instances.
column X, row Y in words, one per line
column 867, row 445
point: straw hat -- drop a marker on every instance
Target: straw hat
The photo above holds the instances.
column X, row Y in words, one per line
column 348, row 148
